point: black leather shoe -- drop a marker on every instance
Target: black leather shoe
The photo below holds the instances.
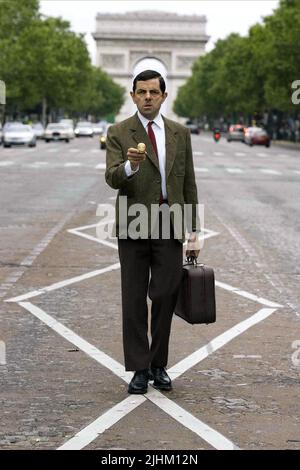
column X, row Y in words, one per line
column 139, row 382
column 161, row 379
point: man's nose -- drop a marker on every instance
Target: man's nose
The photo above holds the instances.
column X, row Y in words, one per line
column 148, row 95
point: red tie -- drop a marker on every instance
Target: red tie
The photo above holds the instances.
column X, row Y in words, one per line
column 154, row 145
column 152, row 137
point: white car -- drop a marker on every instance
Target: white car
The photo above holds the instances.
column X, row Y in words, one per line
column 38, row 129
column 57, row 131
column 18, row 134
column 84, row 128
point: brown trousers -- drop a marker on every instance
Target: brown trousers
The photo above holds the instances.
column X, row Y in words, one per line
column 160, row 262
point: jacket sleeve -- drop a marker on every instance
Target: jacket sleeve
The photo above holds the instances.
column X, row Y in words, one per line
column 115, row 174
column 190, row 188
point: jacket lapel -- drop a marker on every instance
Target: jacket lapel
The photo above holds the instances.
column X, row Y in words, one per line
column 139, row 134
column 171, row 140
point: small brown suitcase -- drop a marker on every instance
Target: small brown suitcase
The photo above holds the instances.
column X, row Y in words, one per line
column 196, row 299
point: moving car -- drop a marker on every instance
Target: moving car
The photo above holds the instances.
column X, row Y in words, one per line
column 236, row 132
column 57, row 131
column 18, row 134
column 257, row 136
column 84, row 128
column 103, row 137
column 193, row 127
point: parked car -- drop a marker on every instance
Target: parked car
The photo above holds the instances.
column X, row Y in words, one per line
column 236, row 132
column 84, row 128
column 18, row 134
column 193, row 127
column 257, row 136
column 38, row 130
column 57, row 131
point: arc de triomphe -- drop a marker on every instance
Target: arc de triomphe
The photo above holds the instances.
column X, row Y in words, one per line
column 168, row 41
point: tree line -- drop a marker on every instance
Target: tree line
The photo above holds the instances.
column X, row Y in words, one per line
column 248, row 77
column 47, row 69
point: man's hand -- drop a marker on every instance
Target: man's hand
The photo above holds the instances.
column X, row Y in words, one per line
column 193, row 245
column 135, row 157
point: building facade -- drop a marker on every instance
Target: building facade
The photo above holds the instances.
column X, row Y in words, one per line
column 127, row 43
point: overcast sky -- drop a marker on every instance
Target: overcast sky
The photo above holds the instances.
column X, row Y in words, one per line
column 223, row 16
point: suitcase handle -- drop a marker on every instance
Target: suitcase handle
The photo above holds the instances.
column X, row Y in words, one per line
column 193, row 260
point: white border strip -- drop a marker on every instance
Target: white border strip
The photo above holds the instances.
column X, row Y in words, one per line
column 247, row 295
column 104, row 422
column 64, row 283
column 76, row 340
column 202, row 353
column 189, row 421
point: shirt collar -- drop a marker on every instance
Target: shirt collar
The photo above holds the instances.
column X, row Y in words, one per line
column 158, row 120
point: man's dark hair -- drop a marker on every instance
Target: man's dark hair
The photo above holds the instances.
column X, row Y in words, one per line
column 148, row 75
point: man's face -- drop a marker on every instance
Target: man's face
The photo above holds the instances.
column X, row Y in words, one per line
column 148, row 97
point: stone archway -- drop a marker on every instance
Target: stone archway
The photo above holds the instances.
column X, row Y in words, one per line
column 125, row 40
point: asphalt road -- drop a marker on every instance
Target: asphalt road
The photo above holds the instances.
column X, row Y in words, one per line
column 236, row 383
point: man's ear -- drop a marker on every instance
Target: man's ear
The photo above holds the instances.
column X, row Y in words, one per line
column 165, row 95
column 132, row 96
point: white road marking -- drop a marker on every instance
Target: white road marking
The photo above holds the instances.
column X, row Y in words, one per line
column 74, row 150
column 218, row 342
column 210, row 435
column 198, row 153
column 52, row 150
column 101, row 166
column 249, row 356
column 80, row 343
column 234, row 170
column 201, row 169
column 240, row 154
column 66, row 282
column 6, row 163
column 94, row 150
column 71, row 164
column 261, row 155
column 37, row 250
column 297, row 172
column 268, row 171
column 248, row 295
column 218, row 154
column 104, row 422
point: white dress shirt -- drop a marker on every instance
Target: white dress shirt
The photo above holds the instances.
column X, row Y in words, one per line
column 158, row 127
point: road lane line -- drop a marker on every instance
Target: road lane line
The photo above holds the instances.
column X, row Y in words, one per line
column 218, row 342
column 218, row 154
column 37, row 250
column 189, row 421
column 66, row 282
column 234, row 170
column 201, row 169
column 6, row 163
column 104, row 422
column 100, row 166
column 71, row 164
column 240, row 154
column 78, row 341
column 248, row 295
column 268, row 171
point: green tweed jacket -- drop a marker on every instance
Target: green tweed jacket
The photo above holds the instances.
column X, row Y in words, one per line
column 145, row 185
